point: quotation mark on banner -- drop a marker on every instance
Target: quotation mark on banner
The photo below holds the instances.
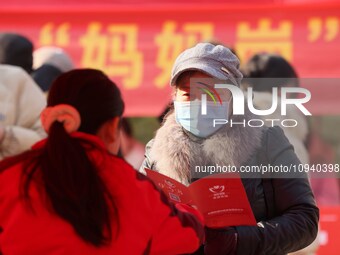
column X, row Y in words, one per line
column 57, row 35
column 326, row 29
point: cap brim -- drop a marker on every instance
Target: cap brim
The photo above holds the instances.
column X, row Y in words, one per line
column 220, row 75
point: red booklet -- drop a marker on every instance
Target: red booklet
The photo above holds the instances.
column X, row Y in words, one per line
column 221, row 198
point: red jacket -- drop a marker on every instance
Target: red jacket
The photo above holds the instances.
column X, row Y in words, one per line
column 148, row 223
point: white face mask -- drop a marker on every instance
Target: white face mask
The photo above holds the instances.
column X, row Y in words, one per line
column 188, row 115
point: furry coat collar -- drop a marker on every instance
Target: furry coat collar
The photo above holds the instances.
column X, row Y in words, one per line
column 176, row 152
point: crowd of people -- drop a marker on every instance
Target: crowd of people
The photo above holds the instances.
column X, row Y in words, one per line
column 65, row 187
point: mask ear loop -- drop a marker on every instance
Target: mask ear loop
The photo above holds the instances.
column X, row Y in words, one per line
column 230, row 113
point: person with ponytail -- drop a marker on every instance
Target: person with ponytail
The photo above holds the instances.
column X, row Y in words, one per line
column 71, row 194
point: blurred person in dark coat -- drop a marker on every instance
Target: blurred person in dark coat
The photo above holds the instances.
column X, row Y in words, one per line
column 49, row 63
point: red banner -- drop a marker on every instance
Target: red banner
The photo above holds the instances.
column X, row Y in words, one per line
column 137, row 47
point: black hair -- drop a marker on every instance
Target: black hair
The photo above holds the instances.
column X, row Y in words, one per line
column 16, row 50
column 263, row 66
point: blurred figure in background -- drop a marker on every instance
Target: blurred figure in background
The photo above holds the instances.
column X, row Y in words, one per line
column 49, row 63
column 21, row 102
column 16, row 50
column 326, row 190
column 265, row 71
column 130, row 148
column 261, row 68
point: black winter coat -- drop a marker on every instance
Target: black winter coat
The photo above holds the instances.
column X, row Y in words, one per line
column 284, row 207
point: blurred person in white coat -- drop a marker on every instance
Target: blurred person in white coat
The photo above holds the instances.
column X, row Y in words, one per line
column 21, row 102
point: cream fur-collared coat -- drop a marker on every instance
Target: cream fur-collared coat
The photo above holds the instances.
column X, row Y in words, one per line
column 21, row 102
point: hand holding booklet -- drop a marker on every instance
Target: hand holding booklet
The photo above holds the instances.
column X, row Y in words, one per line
column 220, row 198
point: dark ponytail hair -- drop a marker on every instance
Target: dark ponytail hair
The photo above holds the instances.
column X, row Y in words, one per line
column 71, row 180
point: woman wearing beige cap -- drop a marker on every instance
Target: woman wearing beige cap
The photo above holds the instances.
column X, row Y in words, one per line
column 284, row 208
